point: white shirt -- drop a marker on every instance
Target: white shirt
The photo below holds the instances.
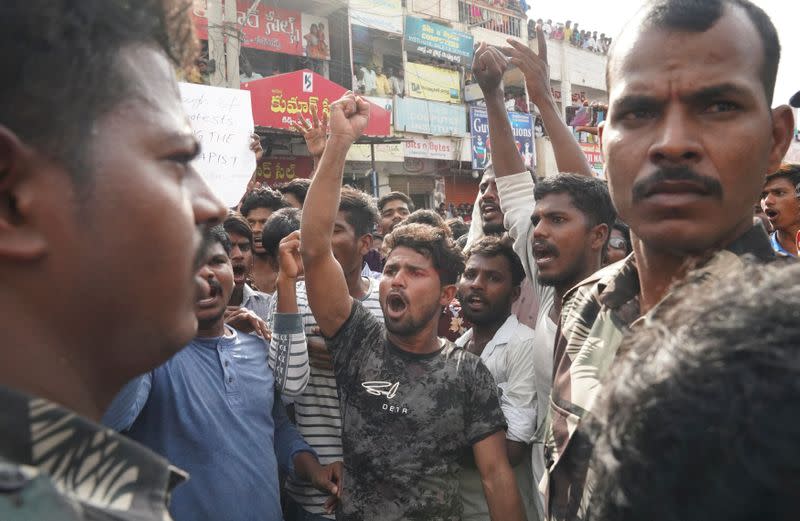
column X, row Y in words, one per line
column 509, row 356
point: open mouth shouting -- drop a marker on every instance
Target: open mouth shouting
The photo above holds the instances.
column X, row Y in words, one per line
column 544, row 253
column 490, row 211
column 475, row 302
column 396, row 306
column 772, row 215
column 211, row 297
column 239, row 274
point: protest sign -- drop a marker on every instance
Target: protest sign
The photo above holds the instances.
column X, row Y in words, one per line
column 222, row 120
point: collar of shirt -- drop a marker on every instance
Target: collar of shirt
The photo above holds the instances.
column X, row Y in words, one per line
column 776, row 246
column 501, row 337
column 78, row 455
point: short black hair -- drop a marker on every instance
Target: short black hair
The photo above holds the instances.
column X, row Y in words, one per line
column 789, row 171
column 217, row 234
column 263, row 198
column 395, row 196
column 432, row 242
column 589, row 195
column 698, row 421
column 429, row 217
column 279, row 225
column 297, row 187
column 359, row 210
column 697, row 16
column 457, row 226
column 236, row 223
column 60, row 61
column 494, row 246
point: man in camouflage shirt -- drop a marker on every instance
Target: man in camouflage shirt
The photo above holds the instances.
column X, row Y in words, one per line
column 411, row 405
column 689, row 138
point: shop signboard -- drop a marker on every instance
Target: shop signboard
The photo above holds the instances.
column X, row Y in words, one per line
column 222, row 120
column 279, row 100
column 388, row 153
column 384, row 103
column 276, row 170
column 521, row 125
column 431, row 148
column 438, row 41
column 273, row 29
column 429, row 117
column 432, row 83
column 384, row 15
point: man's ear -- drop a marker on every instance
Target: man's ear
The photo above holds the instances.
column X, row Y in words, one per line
column 599, row 236
column 448, row 294
column 782, row 134
column 365, row 244
column 20, row 239
column 515, row 293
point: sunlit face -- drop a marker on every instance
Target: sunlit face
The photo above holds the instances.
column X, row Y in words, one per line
column 218, row 272
column 257, row 218
column 486, row 290
column 392, row 214
column 489, row 205
column 241, row 258
column 781, row 205
column 689, row 133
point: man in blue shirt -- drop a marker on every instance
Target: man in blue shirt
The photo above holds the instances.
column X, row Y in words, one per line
column 213, row 411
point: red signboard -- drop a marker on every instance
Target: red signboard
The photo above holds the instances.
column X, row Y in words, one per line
column 268, row 28
column 277, row 170
column 279, row 100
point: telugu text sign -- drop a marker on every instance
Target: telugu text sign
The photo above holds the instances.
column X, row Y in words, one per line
column 438, row 41
column 222, row 120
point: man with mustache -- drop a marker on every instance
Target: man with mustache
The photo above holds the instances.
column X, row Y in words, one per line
column 411, row 405
column 212, row 409
column 688, row 140
column 256, row 207
column 781, row 203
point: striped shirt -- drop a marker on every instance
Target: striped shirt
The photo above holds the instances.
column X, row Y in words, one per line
column 317, row 411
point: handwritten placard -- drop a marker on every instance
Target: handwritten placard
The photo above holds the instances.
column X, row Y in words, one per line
column 222, row 120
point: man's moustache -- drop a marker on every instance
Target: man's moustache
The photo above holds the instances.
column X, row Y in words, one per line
column 642, row 188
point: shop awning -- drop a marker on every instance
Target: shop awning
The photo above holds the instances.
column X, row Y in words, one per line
column 279, row 100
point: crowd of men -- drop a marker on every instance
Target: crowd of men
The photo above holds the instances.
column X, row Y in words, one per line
column 586, row 350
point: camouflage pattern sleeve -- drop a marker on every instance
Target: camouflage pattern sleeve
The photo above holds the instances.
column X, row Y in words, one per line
column 484, row 416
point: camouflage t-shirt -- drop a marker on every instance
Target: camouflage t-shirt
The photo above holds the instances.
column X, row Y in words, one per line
column 406, row 421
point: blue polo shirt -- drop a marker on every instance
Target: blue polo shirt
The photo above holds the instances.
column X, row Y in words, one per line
column 211, row 410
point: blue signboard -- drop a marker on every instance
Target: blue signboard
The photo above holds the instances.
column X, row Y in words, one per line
column 429, row 117
column 438, row 41
column 521, row 125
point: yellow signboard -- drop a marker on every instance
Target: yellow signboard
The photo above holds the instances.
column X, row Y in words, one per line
column 432, row 83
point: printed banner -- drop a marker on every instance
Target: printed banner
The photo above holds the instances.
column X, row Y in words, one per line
column 274, row 29
column 222, row 120
column 279, row 100
column 521, row 125
column 431, row 148
column 432, row 83
column 277, row 170
column 384, row 15
column 438, row 41
column 594, row 155
column 429, row 117
column 385, row 103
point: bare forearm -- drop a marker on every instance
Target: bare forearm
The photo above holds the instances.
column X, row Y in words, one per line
column 569, row 156
column 305, row 464
column 287, row 295
column 506, row 159
column 502, row 496
column 322, row 200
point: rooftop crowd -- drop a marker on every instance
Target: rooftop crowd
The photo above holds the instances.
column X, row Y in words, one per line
column 584, row 350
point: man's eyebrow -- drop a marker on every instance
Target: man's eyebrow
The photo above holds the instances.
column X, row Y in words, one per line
column 635, row 101
column 716, row 91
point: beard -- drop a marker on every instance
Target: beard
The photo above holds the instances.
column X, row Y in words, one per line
column 567, row 278
column 493, row 228
column 495, row 312
column 410, row 324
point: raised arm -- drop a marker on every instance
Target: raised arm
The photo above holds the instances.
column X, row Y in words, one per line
column 328, row 296
column 488, row 66
column 315, row 132
column 569, row 156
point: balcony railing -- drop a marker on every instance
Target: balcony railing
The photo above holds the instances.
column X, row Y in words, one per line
column 478, row 15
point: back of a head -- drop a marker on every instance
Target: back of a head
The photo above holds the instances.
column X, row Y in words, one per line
column 434, row 243
column 429, row 217
column 279, row 225
column 698, row 422
column 457, row 227
column 60, row 60
column 589, row 195
column 297, row 187
column 696, row 16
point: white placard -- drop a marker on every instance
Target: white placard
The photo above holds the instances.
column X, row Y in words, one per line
column 222, row 120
